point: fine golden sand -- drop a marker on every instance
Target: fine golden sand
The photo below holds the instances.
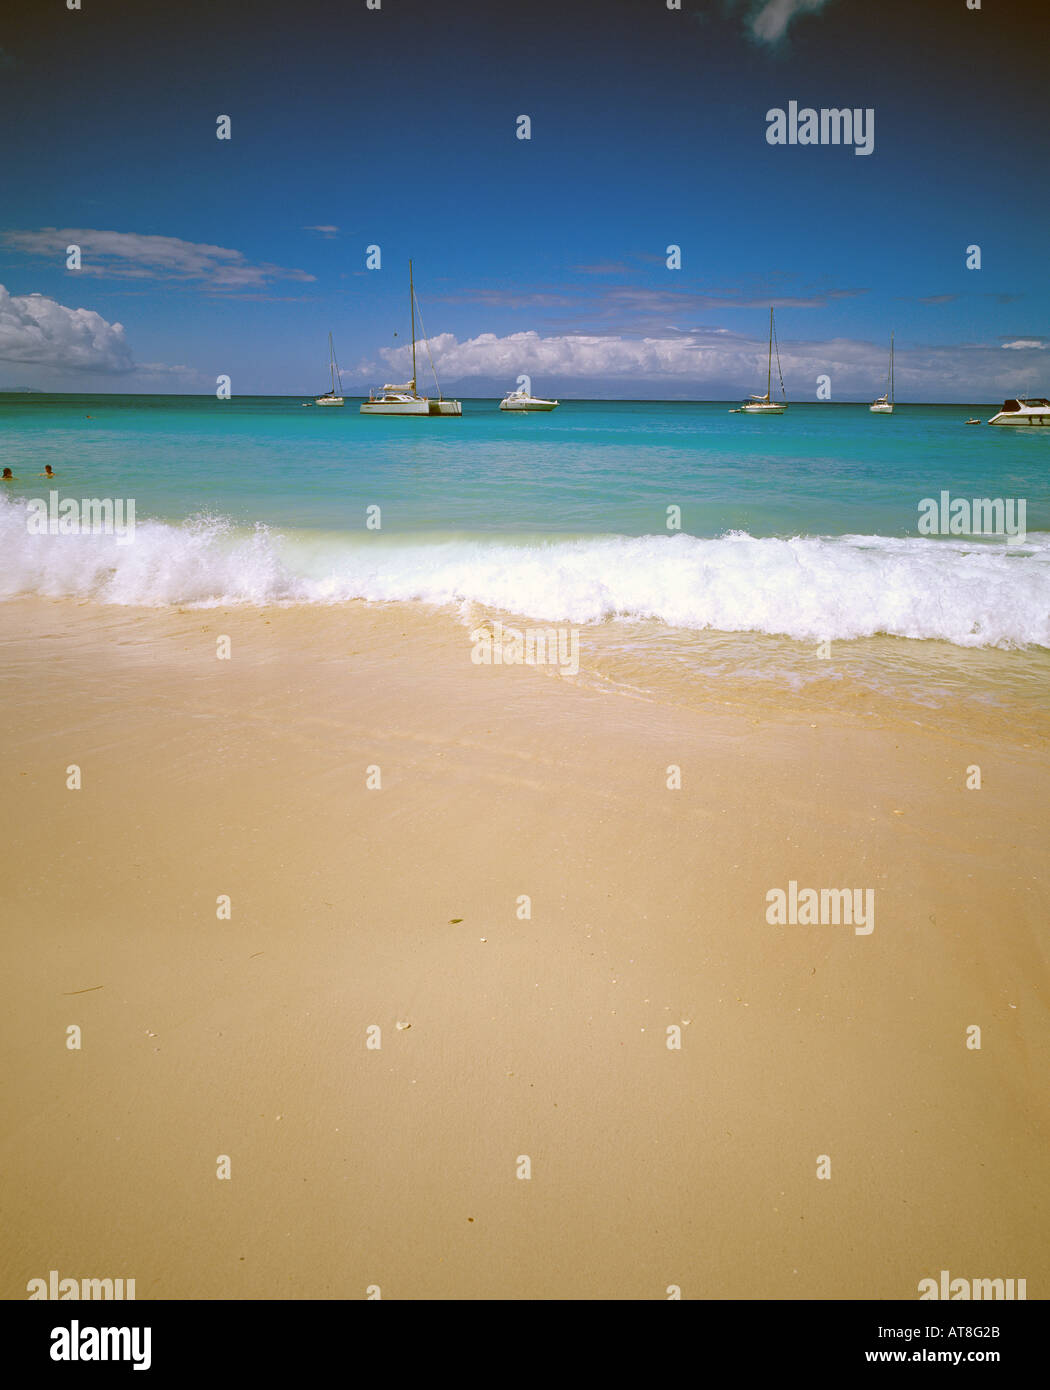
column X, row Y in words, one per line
column 504, row 1036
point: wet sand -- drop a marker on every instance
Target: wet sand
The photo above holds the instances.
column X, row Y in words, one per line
column 540, row 1037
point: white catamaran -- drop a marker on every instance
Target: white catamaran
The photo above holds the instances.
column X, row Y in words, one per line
column 765, row 405
column 331, row 397
column 404, row 399
column 884, row 405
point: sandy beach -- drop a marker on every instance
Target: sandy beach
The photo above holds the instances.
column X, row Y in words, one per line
column 503, row 1035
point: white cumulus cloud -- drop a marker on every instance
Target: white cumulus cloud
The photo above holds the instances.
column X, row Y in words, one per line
column 708, row 363
column 40, row 331
column 567, row 355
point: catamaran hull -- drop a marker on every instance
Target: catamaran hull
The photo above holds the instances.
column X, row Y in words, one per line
column 327, row 400
column 531, row 405
column 881, row 409
column 762, row 409
column 423, row 407
column 395, row 408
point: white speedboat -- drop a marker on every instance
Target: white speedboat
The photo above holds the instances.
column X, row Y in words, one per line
column 331, row 397
column 405, row 399
column 521, row 400
column 766, row 405
column 1025, row 410
column 884, row 405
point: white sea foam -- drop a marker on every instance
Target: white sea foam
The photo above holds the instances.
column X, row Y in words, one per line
column 971, row 594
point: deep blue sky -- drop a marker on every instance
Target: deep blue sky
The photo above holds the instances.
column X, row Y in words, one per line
column 397, row 127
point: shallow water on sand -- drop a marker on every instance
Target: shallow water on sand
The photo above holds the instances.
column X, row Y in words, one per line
column 798, row 563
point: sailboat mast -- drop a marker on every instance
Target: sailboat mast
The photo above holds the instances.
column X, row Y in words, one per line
column 891, row 369
column 769, row 368
column 331, row 361
column 412, row 298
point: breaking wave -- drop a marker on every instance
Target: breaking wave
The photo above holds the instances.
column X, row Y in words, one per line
column 973, row 594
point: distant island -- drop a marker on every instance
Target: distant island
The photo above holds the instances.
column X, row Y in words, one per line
column 20, row 390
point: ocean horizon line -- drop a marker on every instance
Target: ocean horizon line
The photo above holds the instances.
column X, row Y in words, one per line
column 562, row 400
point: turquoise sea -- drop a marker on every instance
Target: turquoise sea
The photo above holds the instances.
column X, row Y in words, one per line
column 802, row 527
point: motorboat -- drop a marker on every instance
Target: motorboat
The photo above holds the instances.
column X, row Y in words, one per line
column 1025, row 410
column 522, row 400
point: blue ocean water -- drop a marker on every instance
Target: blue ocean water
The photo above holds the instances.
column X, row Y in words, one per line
column 804, row 525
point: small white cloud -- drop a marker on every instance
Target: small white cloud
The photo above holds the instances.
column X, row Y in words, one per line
column 770, row 20
column 1020, row 343
column 38, row 330
column 604, row 268
column 163, row 369
column 130, row 255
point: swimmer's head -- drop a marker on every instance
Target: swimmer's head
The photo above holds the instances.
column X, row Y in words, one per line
column 48, row 470
column 8, row 473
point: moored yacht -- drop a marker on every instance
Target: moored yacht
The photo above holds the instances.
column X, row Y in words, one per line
column 522, row 400
column 884, row 405
column 1025, row 410
column 396, row 400
column 331, row 397
column 405, row 399
column 766, row 405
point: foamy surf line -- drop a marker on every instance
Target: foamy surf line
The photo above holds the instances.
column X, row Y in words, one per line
column 972, row 594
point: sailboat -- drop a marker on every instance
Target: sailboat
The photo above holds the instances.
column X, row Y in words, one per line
column 331, row 397
column 884, row 405
column 765, row 405
column 405, row 399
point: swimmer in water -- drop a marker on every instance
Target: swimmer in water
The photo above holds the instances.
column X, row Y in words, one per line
column 48, row 472
column 9, row 477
